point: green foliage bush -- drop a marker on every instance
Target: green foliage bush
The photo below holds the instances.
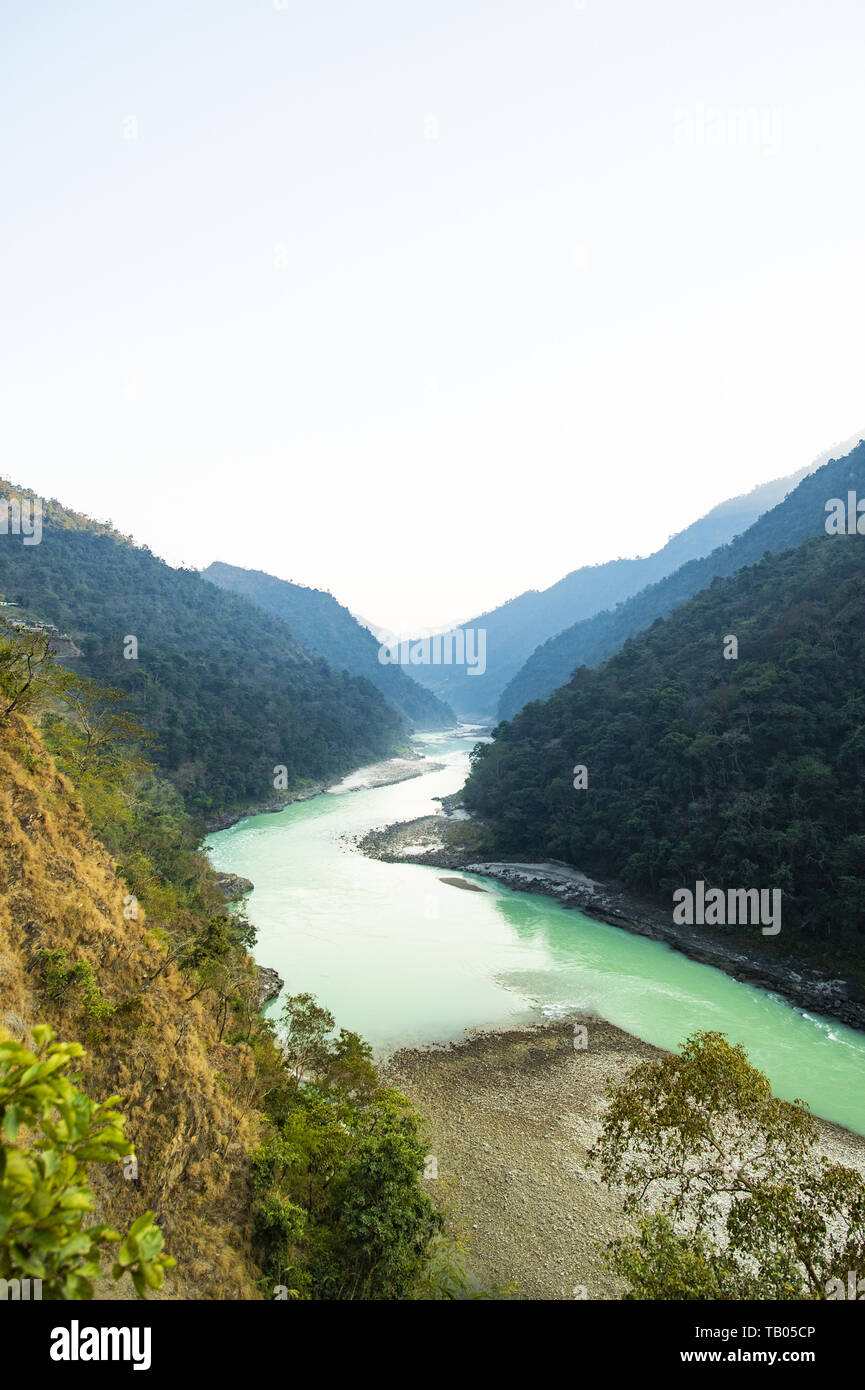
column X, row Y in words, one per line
column 49, row 1132
column 340, row 1212
column 59, row 980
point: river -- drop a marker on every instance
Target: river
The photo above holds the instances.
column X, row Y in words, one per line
column 404, row 959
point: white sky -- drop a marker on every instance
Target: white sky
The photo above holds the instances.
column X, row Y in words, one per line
column 285, row 328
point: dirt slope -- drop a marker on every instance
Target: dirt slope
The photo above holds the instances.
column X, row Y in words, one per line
column 186, row 1096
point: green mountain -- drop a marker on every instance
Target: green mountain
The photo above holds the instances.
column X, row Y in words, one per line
column 326, row 627
column 228, row 691
column 740, row 772
column 514, row 629
column 592, row 640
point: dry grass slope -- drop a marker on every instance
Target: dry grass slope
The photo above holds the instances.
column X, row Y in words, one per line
column 187, row 1097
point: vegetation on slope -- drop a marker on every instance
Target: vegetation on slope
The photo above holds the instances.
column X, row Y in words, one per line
column 741, row 773
column 326, row 627
column 341, row 1212
column 77, row 956
column 591, row 641
column 227, row 690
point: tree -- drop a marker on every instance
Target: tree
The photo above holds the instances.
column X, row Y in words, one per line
column 341, row 1210
column 382, row 1224
column 101, row 737
column 741, row 1203
column 44, row 1196
column 307, row 1028
column 27, row 672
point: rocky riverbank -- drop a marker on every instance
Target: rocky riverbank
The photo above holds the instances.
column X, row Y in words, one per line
column 271, row 806
column 451, row 843
column 512, row 1117
column 270, row 982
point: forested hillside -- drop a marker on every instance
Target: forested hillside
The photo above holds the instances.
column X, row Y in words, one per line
column 226, row 689
column 592, row 640
column 514, row 629
column 326, row 627
column 743, row 773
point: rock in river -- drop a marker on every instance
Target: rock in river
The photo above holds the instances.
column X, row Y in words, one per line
column 269, row 984
column 232, row 886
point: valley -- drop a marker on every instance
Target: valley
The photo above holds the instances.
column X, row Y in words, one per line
column 395, row 953
column 246, row 792
column 432, row 677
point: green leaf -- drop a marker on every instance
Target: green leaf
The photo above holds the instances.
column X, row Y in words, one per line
column 77, row 1201
column 27, row 1261
column 78, row 1245
column 142, row 1224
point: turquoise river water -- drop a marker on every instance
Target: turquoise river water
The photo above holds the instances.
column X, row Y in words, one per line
column 404, row 959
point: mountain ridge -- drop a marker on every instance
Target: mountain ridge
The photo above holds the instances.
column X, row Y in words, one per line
column 516, row 628
column 594, row 639
column 227, row 690
column 326, row 626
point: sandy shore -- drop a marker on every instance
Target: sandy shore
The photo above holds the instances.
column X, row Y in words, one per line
column 384, row 774
column 511, row 1119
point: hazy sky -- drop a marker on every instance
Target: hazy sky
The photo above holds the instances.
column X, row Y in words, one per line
column 426, row 303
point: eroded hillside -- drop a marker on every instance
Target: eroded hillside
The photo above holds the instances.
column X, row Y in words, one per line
column 187, row 1096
